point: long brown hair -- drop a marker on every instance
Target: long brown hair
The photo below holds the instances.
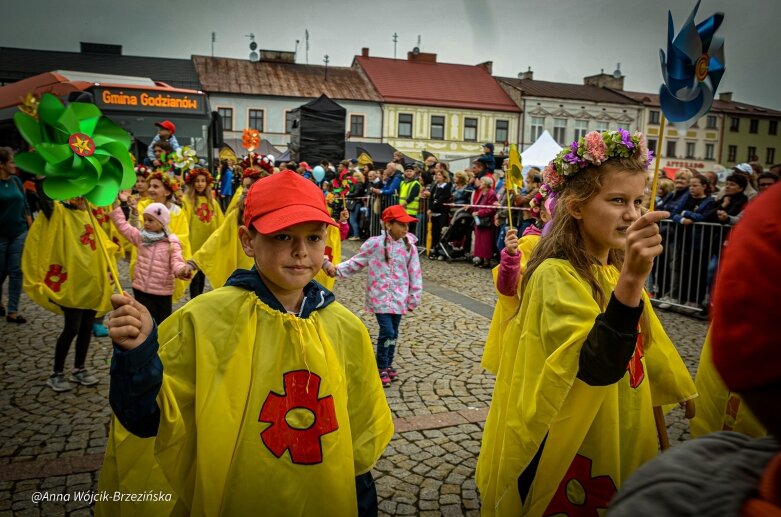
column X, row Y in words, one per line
column 207, row 192
column 565, row 240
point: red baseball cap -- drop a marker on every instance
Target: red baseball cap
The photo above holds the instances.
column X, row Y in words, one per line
column 283, row 200
column 167, row 124
column 305, row 165
column 397, row 213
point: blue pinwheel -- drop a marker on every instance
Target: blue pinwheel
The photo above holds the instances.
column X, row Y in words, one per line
column 692, row 69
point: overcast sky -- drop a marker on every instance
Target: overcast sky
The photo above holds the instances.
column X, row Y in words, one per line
column 561, row 40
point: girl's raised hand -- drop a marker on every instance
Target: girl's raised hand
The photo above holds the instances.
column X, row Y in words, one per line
column 130, row 323
column 511, row 241
column 643, row 245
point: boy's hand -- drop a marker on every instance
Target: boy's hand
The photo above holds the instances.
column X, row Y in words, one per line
column 511, row 242
column 157, row 163
column 130, row 323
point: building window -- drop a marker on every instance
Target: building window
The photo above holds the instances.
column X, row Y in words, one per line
column 437, row 127
column 356, row 125
column 502, row 133
column 711, row 123
column 771, row 155
column 560, row 130
column 709, row 149
column 652, row 144
column 405, row 125
column 226, row 114
column 753, row 126
column 690, row 149
column 732, row 153
column 671, row 148
column 751, row 156
column 772, row 128
column 734, row 124
column 538, row 124
column 602, row 126
column 470, row 130
column 581, row 128
column 289, row 119
column 256, row 119
column 653, row 117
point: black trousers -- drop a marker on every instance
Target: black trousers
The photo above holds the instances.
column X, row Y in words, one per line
column 78, row 324
column 159, row 306
column 197, row 284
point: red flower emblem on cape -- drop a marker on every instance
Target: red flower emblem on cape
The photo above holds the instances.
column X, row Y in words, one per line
column 204, row 214
column 55, row 277
column 301, row 391
column 329, row 253
column 635, row 365
column 88, row 237
column 100, row 215
column 579, row 494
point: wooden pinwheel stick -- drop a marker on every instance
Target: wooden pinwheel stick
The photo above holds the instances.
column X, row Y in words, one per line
column 655, row 182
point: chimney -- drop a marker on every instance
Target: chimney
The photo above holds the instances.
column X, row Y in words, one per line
column 488, row 66
column 277, row 56
column 603, row 80
column 528, row 74
column 421, row 57
column 365, row 52
column 100, row 48
column 725, row 96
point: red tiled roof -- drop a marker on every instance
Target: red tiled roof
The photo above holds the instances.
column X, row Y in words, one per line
column 228, row 75
column 719, row 106
column 435, row 84
column 580, row 92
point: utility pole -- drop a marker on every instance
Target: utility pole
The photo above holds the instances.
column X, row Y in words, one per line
column 306, row 37
column 325, row 60
column 214, row 38
column 395, row 40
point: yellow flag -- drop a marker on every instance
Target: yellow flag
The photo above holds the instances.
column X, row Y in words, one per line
column 365, row 159
column 513, row 176
column 719, row 409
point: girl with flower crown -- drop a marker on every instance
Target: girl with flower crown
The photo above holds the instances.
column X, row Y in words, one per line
column 585, row 359
column 204, row 215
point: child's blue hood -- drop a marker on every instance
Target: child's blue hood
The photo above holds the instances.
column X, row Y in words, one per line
column 315, row 295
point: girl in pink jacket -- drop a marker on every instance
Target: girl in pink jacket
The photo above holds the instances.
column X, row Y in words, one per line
column 159, row 259
column 395, row 281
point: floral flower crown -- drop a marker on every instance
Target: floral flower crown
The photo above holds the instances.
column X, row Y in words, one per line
column 539, row 199
column 169, row 182
column 258, row 160
column 143, row 171
column 189, row 176
column 594, row 149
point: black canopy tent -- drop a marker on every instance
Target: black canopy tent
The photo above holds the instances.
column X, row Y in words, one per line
column 381, row 153
column 318, row 131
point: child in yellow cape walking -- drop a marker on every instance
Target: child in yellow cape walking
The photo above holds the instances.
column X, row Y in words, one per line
column 204, row 215
column 260, row 397
column 571, row 415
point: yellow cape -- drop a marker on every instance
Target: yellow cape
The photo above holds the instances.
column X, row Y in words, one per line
column 63, row 265
column 100, row 214
column 719, row 409
column 202, row 219
column 261, row 412
column 596, row 436
column 505, row 309
column 180, row 227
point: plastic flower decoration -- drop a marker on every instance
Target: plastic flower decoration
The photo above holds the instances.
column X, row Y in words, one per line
column 250, row 139
column 592, row 150
column 185, row 158
column 29, row 104
column 539, row 199
column 170, row 183
column 692, row 69
column 77, row 149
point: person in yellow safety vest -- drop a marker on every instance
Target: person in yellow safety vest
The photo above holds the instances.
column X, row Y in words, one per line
column 409, row 194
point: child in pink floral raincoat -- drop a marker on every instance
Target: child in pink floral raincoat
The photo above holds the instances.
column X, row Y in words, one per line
column 395, row 282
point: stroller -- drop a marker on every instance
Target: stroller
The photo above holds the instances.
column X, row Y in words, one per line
column 456, row 241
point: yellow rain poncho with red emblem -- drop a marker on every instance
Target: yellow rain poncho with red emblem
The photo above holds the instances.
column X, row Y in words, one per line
column 63, row 265
column 595, row 436
column 262, row 412
column 100, row 214
column 204, row 219
column 505, row 308
column 719, row 409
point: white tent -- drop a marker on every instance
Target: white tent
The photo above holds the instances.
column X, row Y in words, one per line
column 540, row 152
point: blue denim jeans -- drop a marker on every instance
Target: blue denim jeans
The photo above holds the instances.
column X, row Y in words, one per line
column 11, row 267
column 355, row 215
column 386, row 341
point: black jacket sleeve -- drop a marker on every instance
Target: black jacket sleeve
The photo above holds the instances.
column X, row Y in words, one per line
column 610, row 344
column 136, row 378
column 47, row 205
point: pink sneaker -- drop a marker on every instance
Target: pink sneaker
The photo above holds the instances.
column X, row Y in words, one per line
column 385, row 378
column 392, row 373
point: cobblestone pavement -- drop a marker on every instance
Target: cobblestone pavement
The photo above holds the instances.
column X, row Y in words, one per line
column 54, row 442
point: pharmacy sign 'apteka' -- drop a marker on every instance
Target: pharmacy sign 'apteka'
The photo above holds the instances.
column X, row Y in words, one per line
column 125, row 99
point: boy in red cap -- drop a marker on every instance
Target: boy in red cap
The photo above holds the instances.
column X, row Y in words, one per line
column 395, row 282
column 262, row 395
column 165, row 133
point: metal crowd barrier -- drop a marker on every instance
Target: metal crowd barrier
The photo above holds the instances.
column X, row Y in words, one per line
column 378, row 203
column 683, row 274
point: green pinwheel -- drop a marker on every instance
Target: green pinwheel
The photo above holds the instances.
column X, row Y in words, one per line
column 77, row 149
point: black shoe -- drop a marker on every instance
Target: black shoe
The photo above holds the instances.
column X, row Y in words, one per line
column 2, row 311
column 17, row 319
